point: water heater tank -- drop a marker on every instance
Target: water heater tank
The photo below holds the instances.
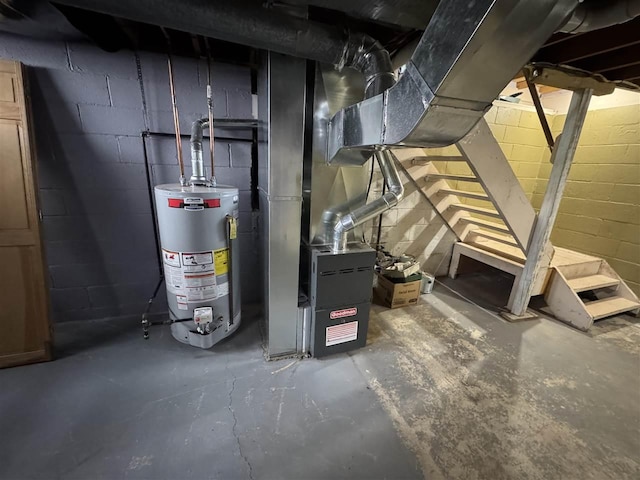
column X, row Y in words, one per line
column 198, row 226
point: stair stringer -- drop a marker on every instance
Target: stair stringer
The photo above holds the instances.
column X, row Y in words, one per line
column 489, row 164
column 565, row 304
column 623, row 289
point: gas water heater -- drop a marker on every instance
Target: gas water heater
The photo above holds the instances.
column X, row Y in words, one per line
column 197, row 223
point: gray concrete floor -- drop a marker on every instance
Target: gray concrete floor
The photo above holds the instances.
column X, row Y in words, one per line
column 444, row 389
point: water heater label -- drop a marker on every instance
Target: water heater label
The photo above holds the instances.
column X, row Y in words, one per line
column 345, row 332
column 182, row 302
column 171, row 258
column 198, row 258
column 202, row 294
column 191, row 276
column 221, row 259
column 223, row 289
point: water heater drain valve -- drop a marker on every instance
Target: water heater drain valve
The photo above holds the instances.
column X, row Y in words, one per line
column 203, row 317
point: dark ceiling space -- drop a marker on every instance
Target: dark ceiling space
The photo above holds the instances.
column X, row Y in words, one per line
column 612, row 52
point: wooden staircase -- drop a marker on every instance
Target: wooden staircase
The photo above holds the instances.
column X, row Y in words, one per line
column 481, row 200
column 581, row 293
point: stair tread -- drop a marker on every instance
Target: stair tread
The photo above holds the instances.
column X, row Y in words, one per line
column 463, row 193
column 423, row 160
column 592, row 282
column 486, row 224
column 610, row 306
column 480, row 210
column 507, row 240
column 447, row 176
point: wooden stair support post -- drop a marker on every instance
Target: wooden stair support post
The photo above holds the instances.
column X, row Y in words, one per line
column 562, row 158
column 492, row 169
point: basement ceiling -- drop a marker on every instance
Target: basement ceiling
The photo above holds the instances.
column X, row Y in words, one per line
column 613, row 52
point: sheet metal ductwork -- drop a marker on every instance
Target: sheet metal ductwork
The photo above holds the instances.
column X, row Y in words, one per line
column 467, row 54
column 364, row 213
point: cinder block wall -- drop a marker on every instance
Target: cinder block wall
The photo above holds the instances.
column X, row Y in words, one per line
column 600, row 210
column 89, row 112
column 414, row 227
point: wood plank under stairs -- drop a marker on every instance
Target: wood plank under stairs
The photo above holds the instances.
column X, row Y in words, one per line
column 489, row 212
column 486, row 224
column 463, row 193
column 432, row 177
column 487, row 234
column 436, row 158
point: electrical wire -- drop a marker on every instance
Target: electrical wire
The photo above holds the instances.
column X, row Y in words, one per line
column 366, row 198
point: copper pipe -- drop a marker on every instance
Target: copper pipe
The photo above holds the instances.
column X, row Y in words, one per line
column 210, row 108
column 176, row 122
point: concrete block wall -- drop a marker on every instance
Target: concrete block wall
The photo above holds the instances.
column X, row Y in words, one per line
column 89, row 112
column 600, row 209
column 413, row 227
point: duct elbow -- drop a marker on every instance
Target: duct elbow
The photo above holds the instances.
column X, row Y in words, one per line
column 394, row 195
column 368, row 56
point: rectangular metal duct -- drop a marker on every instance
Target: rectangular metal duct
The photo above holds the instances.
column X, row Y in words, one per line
column 467, row 54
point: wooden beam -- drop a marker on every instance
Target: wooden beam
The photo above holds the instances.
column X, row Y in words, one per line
column 563, row 154
column 490, row 166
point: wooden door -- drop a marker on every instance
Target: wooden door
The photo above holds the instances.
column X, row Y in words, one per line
column 25, row 331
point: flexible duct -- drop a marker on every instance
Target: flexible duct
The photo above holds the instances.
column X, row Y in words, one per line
column 197, row 165
column 596, row 15
column 395, row 193
column 239, row 21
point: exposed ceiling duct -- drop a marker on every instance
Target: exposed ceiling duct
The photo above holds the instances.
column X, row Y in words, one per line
column 247, row 23
column 469, row 51
column 592, row 15
column 467, row 54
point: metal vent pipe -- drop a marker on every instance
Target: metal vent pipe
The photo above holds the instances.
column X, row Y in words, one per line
column 197, row 165
column 386, row 161
column 241, row 21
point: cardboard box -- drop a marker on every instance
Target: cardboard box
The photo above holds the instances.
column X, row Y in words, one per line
column 400, row 294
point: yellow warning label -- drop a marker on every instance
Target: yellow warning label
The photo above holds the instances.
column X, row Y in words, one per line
column 233, row 228
column 221, row 261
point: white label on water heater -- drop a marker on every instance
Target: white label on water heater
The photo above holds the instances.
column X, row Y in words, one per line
column 197, row 258
column 171, row 258
column 223, row 289
column 190, row 275
column 182, row 302
column 201, row 294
